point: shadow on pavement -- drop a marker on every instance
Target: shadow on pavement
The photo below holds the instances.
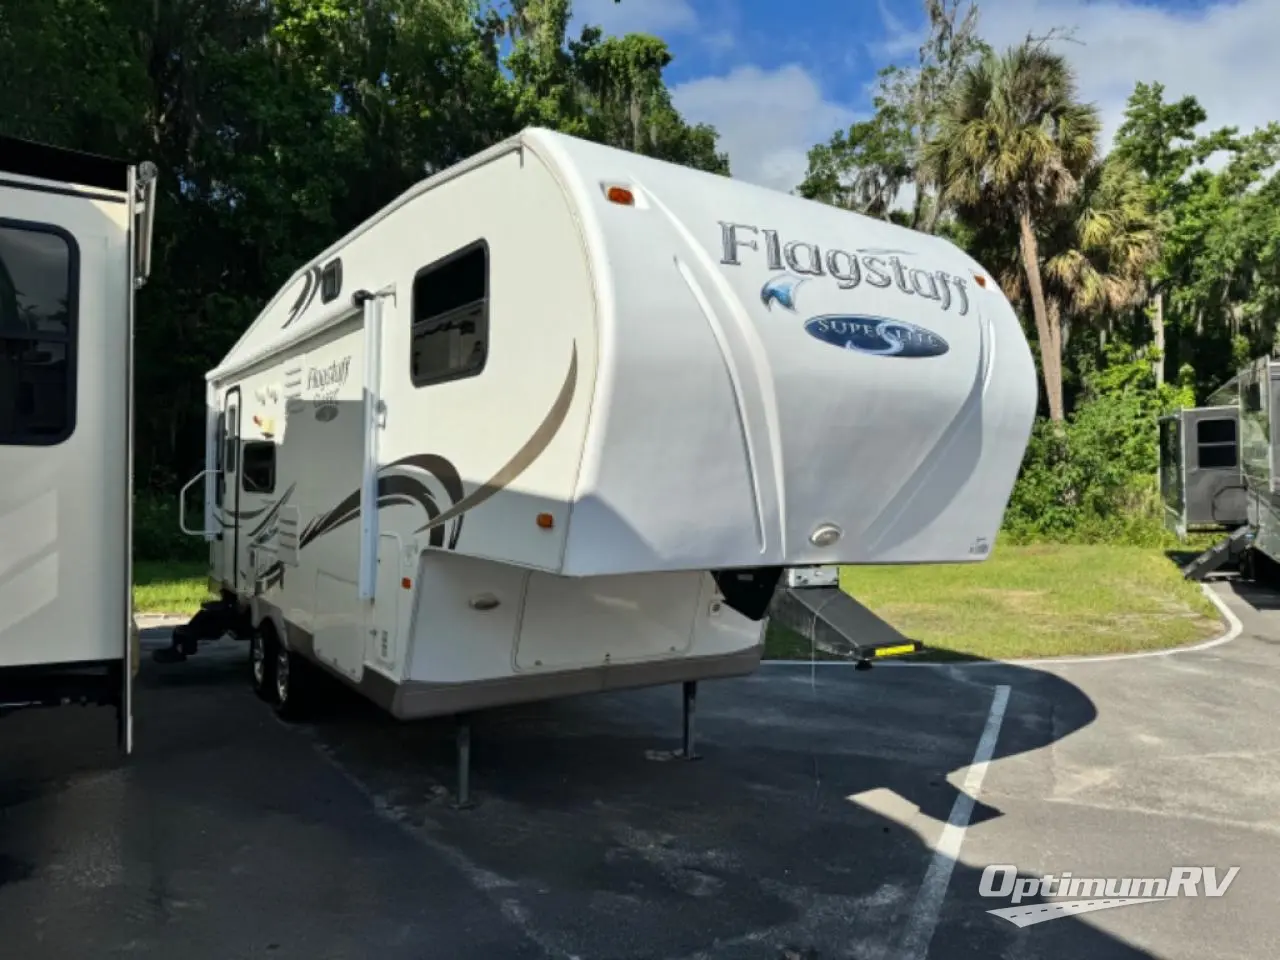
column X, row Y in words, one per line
column 805, row 830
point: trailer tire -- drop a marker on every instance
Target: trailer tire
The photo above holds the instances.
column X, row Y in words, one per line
column 1248, row 565
column 294, row 683
column 262, row 662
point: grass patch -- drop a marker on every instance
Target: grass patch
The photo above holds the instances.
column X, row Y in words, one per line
column 1043, row 600
column 160, row 587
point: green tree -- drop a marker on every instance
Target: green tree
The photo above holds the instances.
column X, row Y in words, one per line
column 1159, row 140
column 1098, row 252
column 866, row 167
column 278, row 125
column 608, row 89
column 1015, row 139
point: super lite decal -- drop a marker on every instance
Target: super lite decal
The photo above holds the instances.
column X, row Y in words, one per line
column 880, row 336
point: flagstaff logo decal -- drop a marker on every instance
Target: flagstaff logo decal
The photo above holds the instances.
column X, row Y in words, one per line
column 796, row 262
column 876, row 335
column 1100, row 893
column 326, row 382
column 879, row 267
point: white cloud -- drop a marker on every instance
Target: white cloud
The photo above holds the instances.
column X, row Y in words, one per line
column 1222, row 54
column 661, row 17
column 767, row 119
column 900, row 39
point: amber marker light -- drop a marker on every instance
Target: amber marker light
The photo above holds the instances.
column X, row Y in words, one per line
column 546, row 521
column 621, row 196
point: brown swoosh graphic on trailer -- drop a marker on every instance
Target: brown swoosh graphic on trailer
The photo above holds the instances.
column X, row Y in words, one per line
column 272, row 513
column 230, row 516
column 399, row 489
column 523, row 457
column 391, row 490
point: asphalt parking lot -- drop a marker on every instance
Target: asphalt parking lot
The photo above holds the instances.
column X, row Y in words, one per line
column 814, row 826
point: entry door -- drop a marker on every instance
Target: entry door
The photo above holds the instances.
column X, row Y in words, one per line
column 229, row 489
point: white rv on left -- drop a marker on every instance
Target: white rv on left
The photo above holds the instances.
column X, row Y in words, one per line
column 74, row 247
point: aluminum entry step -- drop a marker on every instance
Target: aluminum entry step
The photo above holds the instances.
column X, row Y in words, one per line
column 1220, row 553
column 836, row 623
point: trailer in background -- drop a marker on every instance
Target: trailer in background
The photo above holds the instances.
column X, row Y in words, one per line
column 1255, row 542
column 1201, row 481
column 75, row 240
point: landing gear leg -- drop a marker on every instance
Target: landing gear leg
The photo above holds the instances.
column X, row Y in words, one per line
column 688, row 750
column 463, row 801
column 212, row 621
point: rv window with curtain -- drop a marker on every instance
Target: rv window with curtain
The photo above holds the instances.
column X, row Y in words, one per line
column 258, row 467
column 1216, row 444
column 451, row 317
column 39, row 268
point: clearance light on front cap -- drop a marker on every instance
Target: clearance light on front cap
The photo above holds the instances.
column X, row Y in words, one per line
column 621, row 196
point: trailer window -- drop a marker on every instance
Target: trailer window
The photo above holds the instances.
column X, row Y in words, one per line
column 451, row 317
column 258, row 467
column 1216, row 431
column 1216, row 447
column 39, row 274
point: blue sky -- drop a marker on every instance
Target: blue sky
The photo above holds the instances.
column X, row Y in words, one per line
column 777, row 76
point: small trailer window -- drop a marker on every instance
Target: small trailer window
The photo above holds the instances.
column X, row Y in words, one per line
column 1216, row 444
column 39, row 274
column 451, row 317
column 258, row 468
column 331, row 281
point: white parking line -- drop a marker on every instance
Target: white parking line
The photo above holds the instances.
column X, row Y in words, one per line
column 928, row 905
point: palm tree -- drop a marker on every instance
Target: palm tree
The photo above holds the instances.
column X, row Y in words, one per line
column 1015, row 140
column 1096, row 262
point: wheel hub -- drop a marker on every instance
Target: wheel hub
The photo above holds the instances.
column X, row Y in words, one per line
column 282, row 676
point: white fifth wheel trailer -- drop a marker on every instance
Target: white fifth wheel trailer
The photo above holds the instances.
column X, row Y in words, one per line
column 74, row 244
column 563, row 418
